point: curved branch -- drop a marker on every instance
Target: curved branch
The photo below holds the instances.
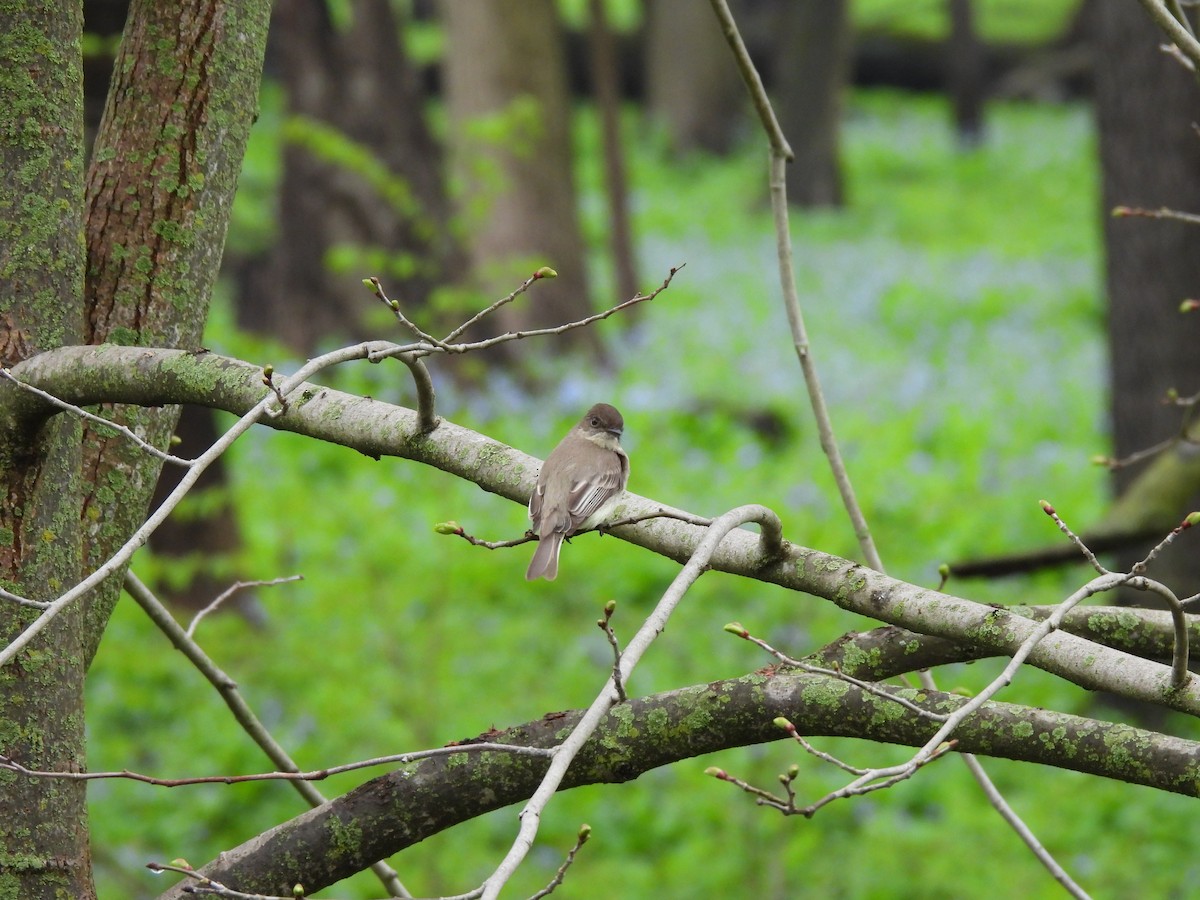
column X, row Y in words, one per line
column 86, row 375
column 889, row 651
column 566, row 752
column 404, row 807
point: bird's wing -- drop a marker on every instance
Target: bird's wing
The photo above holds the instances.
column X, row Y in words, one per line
column 590, row 494
column 535, row 504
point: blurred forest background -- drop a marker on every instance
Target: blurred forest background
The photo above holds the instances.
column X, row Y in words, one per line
column 951, row 192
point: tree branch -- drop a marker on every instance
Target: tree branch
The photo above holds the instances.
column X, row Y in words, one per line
column 85, row 375
column 404, row 807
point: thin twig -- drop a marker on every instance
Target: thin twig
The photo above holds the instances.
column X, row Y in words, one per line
column 1017, row 824
column 457, row 530
column 661, row 513
column 1161, row 213
column 99, row 420
column 758, row 94
column 394, row 759
column 1181, row 35
column 426, row 349
column 376, row 287
column 268, row 379
column 585, row 832
column 741, row 631
column 242, row 713
column 605, row 625
column 229, row 592
column 453, row 528
column 1145, row 453
column 1049, row 510
column 23, row 601
column 1190, row 520
column 543, row 272
column 780, row 154
column 206, row 886
column 564, row 753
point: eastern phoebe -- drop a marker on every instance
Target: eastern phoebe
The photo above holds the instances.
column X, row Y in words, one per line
column 580, row 482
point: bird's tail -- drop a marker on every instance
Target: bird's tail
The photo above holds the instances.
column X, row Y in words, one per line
column 545, row 558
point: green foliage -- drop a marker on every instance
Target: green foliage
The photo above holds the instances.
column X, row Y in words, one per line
column 955, row 320
column 513, row 131
column 622, row 15
column 1023, row 21
column 330, row 145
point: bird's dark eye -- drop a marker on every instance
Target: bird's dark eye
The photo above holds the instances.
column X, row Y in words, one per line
column 595, row 421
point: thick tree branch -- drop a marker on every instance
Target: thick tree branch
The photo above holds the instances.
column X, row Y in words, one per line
column 399, row 809
column 886, row 652
column 85, row 375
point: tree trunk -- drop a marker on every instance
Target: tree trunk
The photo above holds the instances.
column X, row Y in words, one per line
column 606, row 87
column 812, row 65
column 965, row 62
column 511, row 142
column 157, row 202
column 691, row 87
column 362, row 191
column 43, row 823
column 1150, row 157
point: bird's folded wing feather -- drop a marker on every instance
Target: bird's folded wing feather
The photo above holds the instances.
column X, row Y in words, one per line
column 588, row 495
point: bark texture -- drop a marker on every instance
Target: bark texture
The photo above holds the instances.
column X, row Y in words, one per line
column 129, row 260
column 43, row 824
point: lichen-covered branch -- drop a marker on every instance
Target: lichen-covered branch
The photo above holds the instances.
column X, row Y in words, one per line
column 404, row 807
column 83, row 375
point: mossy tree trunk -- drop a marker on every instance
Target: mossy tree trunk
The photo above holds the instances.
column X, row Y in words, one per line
column 43, row 824
column 130, row 260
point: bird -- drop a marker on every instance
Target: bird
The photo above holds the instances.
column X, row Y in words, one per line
column 578, row 486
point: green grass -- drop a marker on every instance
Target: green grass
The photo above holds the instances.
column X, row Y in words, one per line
column 955, row 319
